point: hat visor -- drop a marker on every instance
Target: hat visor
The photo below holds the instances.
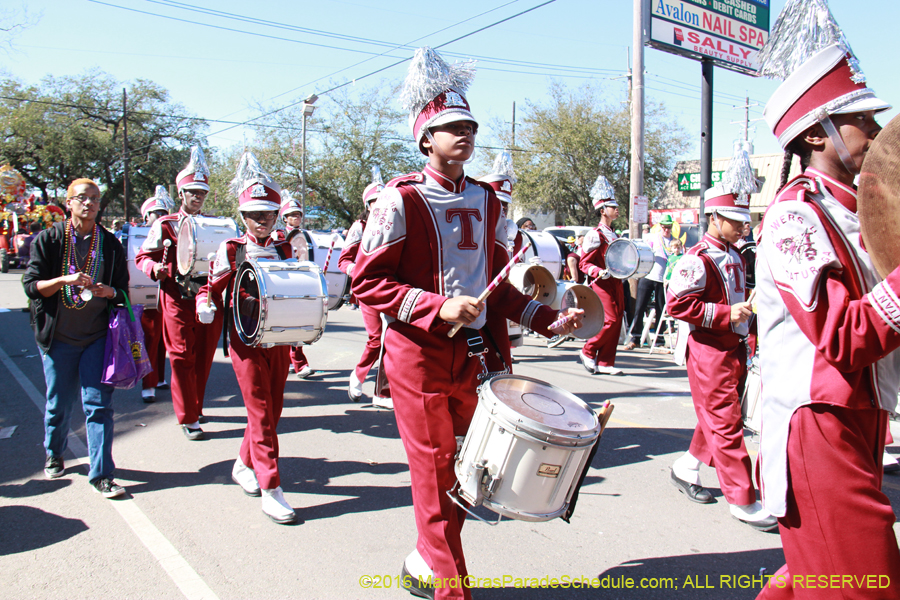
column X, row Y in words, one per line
column 196, row 185
column 734, row 215
column 863, row 105
column 259, row 205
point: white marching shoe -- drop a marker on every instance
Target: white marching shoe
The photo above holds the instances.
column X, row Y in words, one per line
column 354, row 390
column 244, row 476
column 588, row 363
column 755, row 516
column 607, row 370
column 276, row 507
column 382, row 402
column 305, row 372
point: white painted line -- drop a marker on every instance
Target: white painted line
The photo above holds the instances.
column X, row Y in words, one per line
column 182, row 574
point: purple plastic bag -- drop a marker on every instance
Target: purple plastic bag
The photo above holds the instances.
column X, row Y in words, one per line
column 126, row 361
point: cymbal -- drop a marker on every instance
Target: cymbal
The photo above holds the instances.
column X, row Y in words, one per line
column 879, row 199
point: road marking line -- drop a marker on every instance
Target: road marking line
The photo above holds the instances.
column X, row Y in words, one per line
column 182, row 574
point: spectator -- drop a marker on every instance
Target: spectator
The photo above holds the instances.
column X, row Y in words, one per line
column 527, row 224
column 70, row 317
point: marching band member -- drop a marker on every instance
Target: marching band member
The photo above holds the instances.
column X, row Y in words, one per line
column 828, row 328
column 371, row 318
column 652, row 284
column 191, row 346
column 599, row 353
column 708, row 291
column 261, row 372
column 158, row 205
column 433, row 242
column 292, row 213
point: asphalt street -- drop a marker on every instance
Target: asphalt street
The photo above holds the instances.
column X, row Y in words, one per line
column 184, row 530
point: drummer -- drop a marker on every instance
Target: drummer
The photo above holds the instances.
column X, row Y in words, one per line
column 371, row 317
column 191, row 346
column 261, row 372
column 599, row 353
column 424, row 273
column 292, row 214
column 651, row 287
column 153, row 208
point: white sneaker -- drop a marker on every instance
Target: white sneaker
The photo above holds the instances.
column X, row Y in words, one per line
column 305, row 372
column 276, row 507
column 589, row 364
column 149, row 395
column 354, row 390
column 602, row 370
column 382, row 402
column 244, row 476
column 755, row 516
column 889, row 463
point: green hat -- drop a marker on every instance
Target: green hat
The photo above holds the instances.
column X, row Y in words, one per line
column 666, row 220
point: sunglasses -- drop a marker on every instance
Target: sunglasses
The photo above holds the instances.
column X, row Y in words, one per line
column 260, row 216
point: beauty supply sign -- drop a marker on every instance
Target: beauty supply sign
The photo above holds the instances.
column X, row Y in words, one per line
column 729, row 32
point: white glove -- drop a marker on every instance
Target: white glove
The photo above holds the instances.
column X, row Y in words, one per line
column 536, row 260
column 350, row 269
column 603, row 274
column 206, row 314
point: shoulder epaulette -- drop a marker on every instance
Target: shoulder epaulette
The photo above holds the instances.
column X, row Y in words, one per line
column 406, row 180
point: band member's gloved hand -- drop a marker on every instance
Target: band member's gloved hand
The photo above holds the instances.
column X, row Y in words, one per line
column 568, row 321
column 603, row 274
column 206, row 314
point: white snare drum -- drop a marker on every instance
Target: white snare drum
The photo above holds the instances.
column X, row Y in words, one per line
column 575, row 295
column 292, row 305
column 751, row 408
column 141, row 289
column 299, row 241
column 545, row 247
column 535, row 281
column 338, row 282
column 629, row 258
column 526, row 448
column 198, row 237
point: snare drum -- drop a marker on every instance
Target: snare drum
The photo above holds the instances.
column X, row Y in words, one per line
column 575, row 295
column 141, row 289
column 198, row 237
column 629, row 258
column 338, row 282
column 545, row 247
column 292, row 306
column 526, row 448
column 535, row 281
column 751, row 408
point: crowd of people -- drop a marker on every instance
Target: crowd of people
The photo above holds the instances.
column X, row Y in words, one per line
column 429, row 243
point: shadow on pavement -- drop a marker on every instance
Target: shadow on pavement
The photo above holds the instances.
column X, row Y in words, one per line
column 26, row 529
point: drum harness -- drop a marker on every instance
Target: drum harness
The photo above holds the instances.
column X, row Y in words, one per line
column 478, row 348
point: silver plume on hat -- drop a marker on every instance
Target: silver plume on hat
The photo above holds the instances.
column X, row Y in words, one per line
column 197, row 164
column 376, row 175
column 249, row 170
column 429, row 75
column 738, row 177
column 602, row 190
column 286, row 197
column 503, row 165
column 163, row 198
column 803, row 28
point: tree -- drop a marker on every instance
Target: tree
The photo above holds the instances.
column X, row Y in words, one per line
column 562, row 148
column 72, row 127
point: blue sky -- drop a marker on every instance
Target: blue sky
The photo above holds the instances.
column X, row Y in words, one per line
column 221, row 74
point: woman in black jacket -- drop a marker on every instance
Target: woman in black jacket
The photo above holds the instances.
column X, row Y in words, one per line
column 77, row 269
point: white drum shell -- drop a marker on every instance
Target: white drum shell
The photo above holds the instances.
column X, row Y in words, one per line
column 531, row 470
column 516, row 335
column 535, row 281
column 198, row 237
column 627, row 259
column 545, row 247
column 589, row 301
column 293, row 303
column 338, row 282
column 141, row 289
column 751, row 408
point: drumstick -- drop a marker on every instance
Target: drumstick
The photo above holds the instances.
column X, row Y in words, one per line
column 209, row 258
column 328, row 257
column 166, row 245
column 497, row 281
column 561, row 321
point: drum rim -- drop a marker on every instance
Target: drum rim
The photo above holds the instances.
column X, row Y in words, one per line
column 249, row 265
column 193, row 254
column 562, row 259
column 542, row 433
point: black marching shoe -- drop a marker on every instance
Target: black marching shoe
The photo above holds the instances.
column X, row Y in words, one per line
column 695, row 493
column 192, row 434
column 414, row 586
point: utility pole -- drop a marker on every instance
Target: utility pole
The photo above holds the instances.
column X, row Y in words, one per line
column 513, row 126
column 125, row 154
column 706, row 133
column 636, row 187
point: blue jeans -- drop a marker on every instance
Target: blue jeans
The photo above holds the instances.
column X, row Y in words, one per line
column 70, row 371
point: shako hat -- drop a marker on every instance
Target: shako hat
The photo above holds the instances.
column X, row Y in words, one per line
column 254, row 187
column 195, row 176
column 502, row 177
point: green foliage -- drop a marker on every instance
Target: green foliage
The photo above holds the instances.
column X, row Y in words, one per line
column 564, row 145
column 72, row 127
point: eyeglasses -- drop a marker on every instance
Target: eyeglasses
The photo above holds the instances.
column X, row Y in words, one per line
column 260, row 216
column 84, row 199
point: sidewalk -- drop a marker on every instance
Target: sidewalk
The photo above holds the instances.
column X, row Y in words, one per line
column 12, row 295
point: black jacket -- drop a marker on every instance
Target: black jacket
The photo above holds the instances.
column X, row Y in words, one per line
column 47, row 262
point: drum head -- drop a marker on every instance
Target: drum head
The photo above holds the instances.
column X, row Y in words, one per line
column 879, row 199
column 297, row 239
column 622, row 259
column 544, row 409
column 247, row 313
column 748, row 251
column 583, row 297
column 187, row 246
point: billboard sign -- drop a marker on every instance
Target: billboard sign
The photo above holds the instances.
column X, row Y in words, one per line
column 730, row 32
column 690, row 182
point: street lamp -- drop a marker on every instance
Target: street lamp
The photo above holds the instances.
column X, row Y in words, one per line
column 308, row 109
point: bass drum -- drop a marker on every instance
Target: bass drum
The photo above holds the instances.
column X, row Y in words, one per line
column 544, row 247
column 629, row 258
column 526, row 448
column 317, row 245
column 279, row 303
column 200, row 236
column 141, row 289
column 575, row 295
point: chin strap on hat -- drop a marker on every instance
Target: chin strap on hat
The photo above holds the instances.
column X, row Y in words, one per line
column 835, row 136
